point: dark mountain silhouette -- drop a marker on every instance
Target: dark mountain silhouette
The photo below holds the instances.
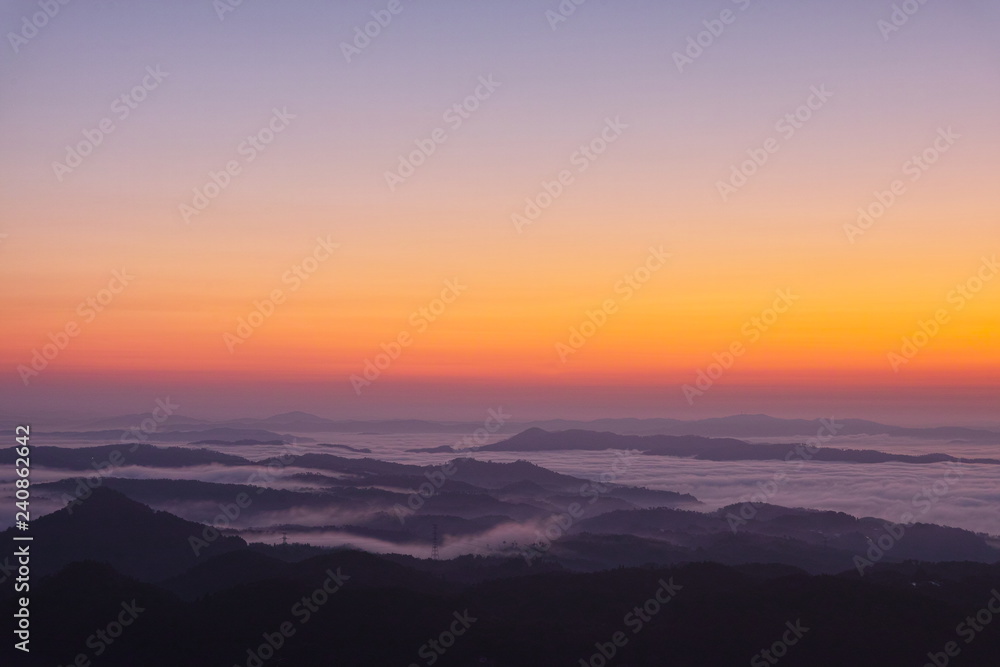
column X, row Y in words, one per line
column 95, row 458
column 740, row 586
column 761, row 426
column 211, row 494
column 177, row 433
column 491, row 475
column 483, row 474
column 224, row 571
column 348, row 448
column 239, row 442
column 615, row 524
column 70, row 607
column 358, row 506
column 389, row 608
column 247, row 567
column 442, row 449
column 558, row 609
column 819, row 542
column 251, row 443
column 711, row 449
column 110, row 528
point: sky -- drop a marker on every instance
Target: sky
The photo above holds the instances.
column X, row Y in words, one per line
column 632, row 209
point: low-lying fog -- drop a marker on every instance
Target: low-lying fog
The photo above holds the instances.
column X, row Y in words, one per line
column 966, row 498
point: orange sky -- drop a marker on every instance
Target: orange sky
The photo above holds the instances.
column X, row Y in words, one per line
column 655, row 185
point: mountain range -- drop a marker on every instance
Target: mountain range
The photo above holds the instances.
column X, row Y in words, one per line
column 737, row 426
column 219, row 607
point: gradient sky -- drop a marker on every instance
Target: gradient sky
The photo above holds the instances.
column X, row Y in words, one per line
column 656, row 185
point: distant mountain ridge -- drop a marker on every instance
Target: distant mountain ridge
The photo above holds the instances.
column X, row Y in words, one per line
column 738, row 426
column 95, row 458
column 699, row 447
column 218, row 433
column 760, row 425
